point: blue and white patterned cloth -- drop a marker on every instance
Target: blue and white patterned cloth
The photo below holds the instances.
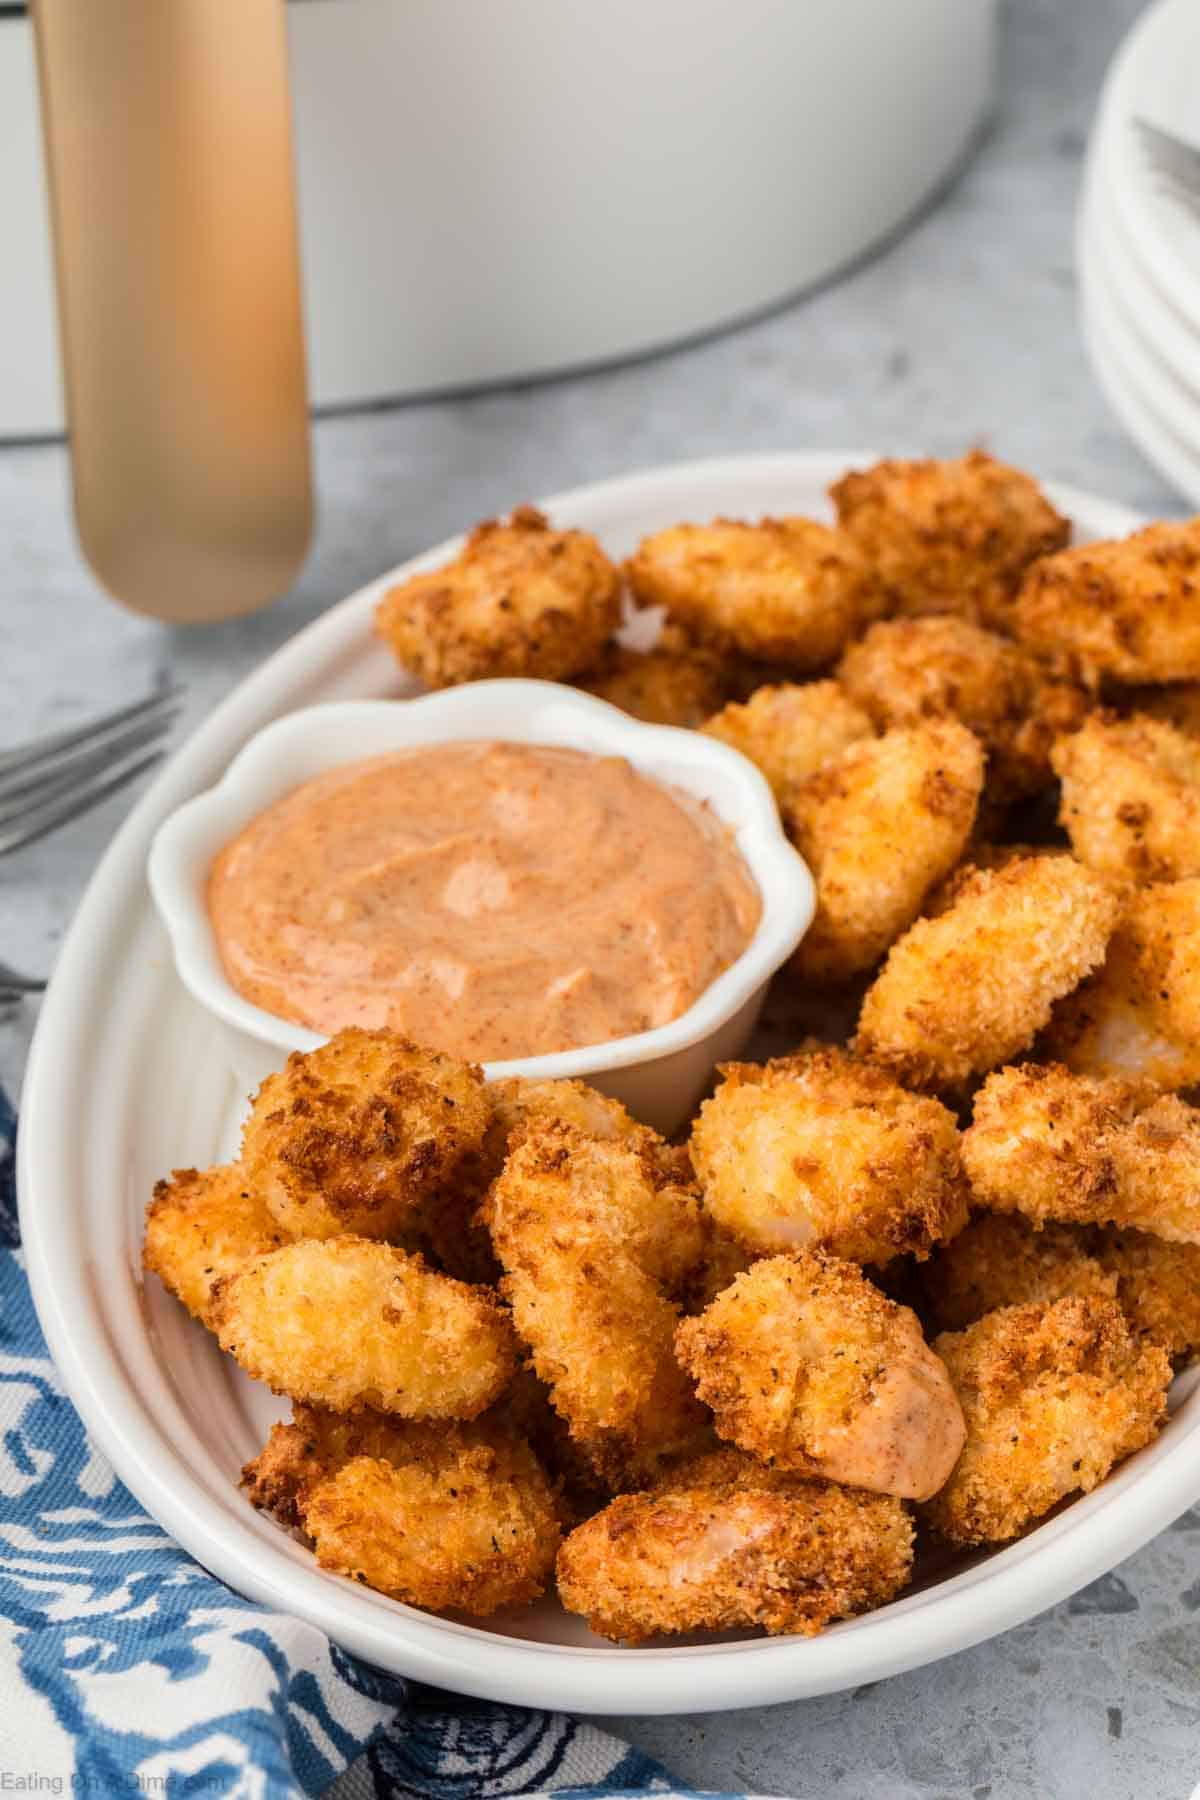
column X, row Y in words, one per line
column 127, row 1670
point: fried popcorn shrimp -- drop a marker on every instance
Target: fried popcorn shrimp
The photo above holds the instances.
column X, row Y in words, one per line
column 879, row 826
column 1085, row 1150
column 784, row 591
column 944, row 667
column 791, row 730
column 519, row 599
column 980, row 855
column 354, row 1136
column 808, row 1366
column 674, row 683
column 1053, row 1395
column 1002, row 1259
column 1131, row 797
column 454, row 1517
column 727, row 1542
column 345, row 1323
column 590, row 1244
column 816, row 1151
column 204, row 1224
column 1140, row 1014
column 1158, row 1286
column 971, row 988
column 1127, row 608
column 519, row 1101
column 950, row 536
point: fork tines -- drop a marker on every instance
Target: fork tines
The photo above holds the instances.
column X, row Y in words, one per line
column 46, row 783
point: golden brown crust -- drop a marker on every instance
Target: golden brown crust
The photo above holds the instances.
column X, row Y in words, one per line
column 808, row 1366
column 1131, row 797
column 818, row 1151
column 785, row 590
column 1158, row 1286
column 1127, row 609
column 790, row 730
column 675, row 683
column 1139, row 1015
column 1086, row 1151
column 520, row 599
column 346, row 1323
column 951, row 536
column 729, row 1543
column 457, row 1517
column 202, row 1225
column 879, row 825
column 972, row 987
column 1002, row 1259
column 1054, row 1396
column 944, row 667
column 591, row 1245
column 355, row 1136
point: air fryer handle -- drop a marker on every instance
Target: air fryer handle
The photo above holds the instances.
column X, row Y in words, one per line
column 168, row 145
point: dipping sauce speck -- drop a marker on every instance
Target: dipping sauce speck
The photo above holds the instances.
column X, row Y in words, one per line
column 492, row 900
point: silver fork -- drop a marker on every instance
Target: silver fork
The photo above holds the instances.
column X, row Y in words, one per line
column 1175, row 163
column 54, row 779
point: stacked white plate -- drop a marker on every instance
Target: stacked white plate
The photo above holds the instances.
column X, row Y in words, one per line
column 1138, row 246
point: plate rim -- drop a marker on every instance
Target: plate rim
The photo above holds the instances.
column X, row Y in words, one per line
column 1022, row 1580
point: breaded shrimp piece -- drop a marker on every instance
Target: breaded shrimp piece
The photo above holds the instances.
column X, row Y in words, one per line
column 980, row 855
column 808, row 1366
column 1140, row 1014
column 727, row 1542
column 973, row 987
column 674, row 683
column 1131, row 797
column 1126, row 608
column 951, row 536
column 1054, row 1396
column 455, row 1517
column 944, row 667
column 519, row 1101
column 1158, row 1286
column 346, row 1323
column 1002, row 1259
column 589, row 1246
column 1086, row 1151
column 784, row 591
column 204, row 1224
column 816, row 1151
column 879, row 826
column 354, row 1136
column 519, row 599
column 791, row 730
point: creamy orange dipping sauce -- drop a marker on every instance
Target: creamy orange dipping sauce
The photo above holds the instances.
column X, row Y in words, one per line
column 492, row 900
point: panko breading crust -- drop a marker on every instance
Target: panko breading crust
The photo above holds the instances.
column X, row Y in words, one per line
column 790, row 730
column 1054, row 1396
column 952, row 536
column 728, row 1542
column 347, row 1322
column 808, row 1366
column 356, row 1135
column 785, row 590
column 818, row 1151
column 521, row 599
column 591, row 1243
column 1127, row 609
column 675, row 683
column 1085, row 1150
column 453, row 1517
column 1139, row 1015
column 204, row 1224
column 1131, row 797
column 971, row 988
column 879, row 825
column 943, row 667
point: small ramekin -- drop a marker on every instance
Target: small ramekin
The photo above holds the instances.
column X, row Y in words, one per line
column 658, row 1074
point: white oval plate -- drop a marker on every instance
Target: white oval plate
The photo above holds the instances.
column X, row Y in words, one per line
column 127, row 1079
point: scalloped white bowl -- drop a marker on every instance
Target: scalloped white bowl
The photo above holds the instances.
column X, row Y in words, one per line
column 658, row 1074
column 128, row 1076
